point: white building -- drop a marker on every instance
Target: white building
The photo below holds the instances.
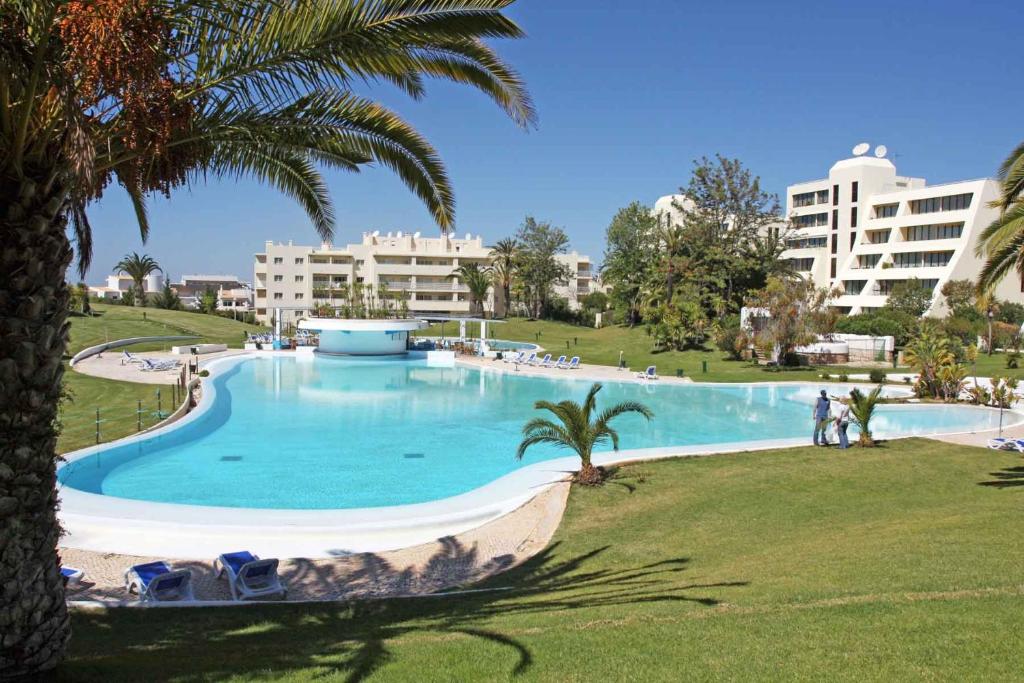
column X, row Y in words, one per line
column 232, row 293
column 581, row 281
column 864, row 229
column 117, row 285
column 287, row 276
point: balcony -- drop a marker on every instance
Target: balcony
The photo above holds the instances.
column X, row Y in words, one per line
column 584, row 274
column 424, row 286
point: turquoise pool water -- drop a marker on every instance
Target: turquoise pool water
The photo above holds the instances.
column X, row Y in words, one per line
column 330, row 433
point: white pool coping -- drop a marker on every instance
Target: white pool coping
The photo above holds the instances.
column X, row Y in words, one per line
column 109, row 524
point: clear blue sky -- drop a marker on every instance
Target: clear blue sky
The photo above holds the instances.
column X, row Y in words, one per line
column 629, row 93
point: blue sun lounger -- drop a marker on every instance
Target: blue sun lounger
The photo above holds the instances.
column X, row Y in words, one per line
column 249, row 576
column 574, row 363
column 529, row 361
column 157, row 582
column 560, row 363
column 1002, row 443
column 518, row 358
column 650, row 373
column 71, row 575
column 546, row 363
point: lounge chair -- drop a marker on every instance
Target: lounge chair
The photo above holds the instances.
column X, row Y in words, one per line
column 150, row 365
column 546, row 363
column 249, row 576
column 650, row 373
column 157, row 582
column 1002, row 443
column 71, row 575
column 518, row 358
column 560, row 363
column 129, row 358
column 529, row 360
column 574, row 363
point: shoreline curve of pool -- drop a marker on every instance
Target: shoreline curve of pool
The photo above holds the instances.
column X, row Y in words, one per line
column 307, row 456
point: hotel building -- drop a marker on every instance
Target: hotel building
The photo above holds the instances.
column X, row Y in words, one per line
column 296, row 278
column 865, row 229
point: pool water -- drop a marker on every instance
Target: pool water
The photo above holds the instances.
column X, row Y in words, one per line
column 330, row 433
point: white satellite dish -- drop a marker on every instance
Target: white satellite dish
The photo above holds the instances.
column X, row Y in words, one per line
column 861, row 149
column 881, row 151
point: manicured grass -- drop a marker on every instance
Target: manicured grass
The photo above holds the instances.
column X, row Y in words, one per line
column 120, row 322
column 876, row 564
column 603, row 346
column 118, row 403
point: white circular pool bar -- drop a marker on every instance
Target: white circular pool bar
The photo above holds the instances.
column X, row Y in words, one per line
column 357, row 337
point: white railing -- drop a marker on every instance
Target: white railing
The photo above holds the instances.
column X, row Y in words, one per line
column 425, row 286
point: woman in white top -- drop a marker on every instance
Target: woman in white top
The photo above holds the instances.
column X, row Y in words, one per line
column 843, row 421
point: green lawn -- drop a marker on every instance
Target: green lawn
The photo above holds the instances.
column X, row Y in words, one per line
column 888, row 564
column 603, row 346
column 120, row 322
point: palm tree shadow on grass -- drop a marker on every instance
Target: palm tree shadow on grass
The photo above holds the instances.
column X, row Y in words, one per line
column 1010, row 477
column 351, row 640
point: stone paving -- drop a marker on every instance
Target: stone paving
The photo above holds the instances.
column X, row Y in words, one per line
column 443, row 564
column 110, row 365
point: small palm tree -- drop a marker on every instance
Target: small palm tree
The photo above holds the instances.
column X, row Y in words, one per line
column 927, row 353
column 138, row 268
column 504, row 255
column 478, row 281
column 577, row 431
column 862, row 409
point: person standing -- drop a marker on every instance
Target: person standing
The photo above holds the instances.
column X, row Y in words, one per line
column 821, row 410
column 842, row 422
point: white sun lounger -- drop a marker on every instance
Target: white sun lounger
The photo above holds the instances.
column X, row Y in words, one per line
column 560, row 363
column 650, row 373
column 150, row 365
column 518, row 358
column 529, row 361
column 71, row 575
column 574, row 363
column 129, row 358
column 249, row 576
column 546, row 363
column 157, row 582
column 1002, row 443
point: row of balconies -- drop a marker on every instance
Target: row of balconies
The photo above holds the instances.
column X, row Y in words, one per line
column 425, row 286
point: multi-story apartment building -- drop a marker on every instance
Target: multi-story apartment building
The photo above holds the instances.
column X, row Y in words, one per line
column 232, row 293
column 286, row 276
column 581, row 281
column 864, row 229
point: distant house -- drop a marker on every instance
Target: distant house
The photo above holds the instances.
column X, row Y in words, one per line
column 232, row 294
column 117, row 285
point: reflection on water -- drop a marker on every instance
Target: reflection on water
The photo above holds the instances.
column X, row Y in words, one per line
column 333, row 433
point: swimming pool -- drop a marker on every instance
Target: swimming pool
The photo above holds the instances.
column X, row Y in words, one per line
column 317, row 433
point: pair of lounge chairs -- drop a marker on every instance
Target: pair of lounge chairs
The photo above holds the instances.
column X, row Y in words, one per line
column 1002, row 443
column 248, row 577
column 149, row 364
column 546, row 362
column 650, row 373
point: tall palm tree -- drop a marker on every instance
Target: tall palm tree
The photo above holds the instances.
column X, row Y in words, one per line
column 577, row 430
column 862, row 409
column 138, row 268
column 1002, row 242
column 504, row 257
column 478, row 281
column 152, row 95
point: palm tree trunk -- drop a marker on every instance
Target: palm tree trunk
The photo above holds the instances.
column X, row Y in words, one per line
column 35, row 253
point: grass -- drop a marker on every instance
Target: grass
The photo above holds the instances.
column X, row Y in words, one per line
column 119, row 401
column 877, row 564
column 602, row 346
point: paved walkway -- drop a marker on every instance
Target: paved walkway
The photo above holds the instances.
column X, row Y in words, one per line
column 597, row 373
column 446, row 563
column 110, row 365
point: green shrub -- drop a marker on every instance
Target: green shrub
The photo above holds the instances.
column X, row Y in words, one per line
column 843, row 377
column 204, row 373
column 877, row 376
column 1013, row 360
column 825, row 375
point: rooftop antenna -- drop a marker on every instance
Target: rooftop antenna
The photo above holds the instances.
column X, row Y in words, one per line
column 861, row 149
column 881, row 151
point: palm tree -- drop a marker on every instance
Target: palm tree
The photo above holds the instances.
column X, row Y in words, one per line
column 478, row 281
column 862, row 409
column 926, row 353
column 152, row 95
column 504, row 256
column 1002, row 242
column 138, row 268
column 577, row 430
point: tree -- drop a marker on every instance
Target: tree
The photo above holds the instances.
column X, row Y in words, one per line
column 961, row 297
column 1002, row 242
column 862, row 409
column 504, row 257
column 478, row 281
column 168, row 299
column 138, row 268
column 927, row 353
column 538, row 268
column 911, row 297
column 83, row 295
column 629, row 254
column 153, row 95
column 577, row 430
column 796, row 312
column 208, row 301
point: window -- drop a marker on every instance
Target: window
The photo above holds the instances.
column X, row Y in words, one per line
column 921, row 259
column 835, row 195
column 835, row 241
column 813, row 220
column 853, row 191
column 853, row 240
column 299, row 260
column 278, row 260
column 835, row 219
column 278, row 278
column 807, row 242
column 300, row 296
column 359, row 263
column 300, row 278
column 877, row 236
column 944, row 231
column 868, row 260
column 886, row 286
column 802, row 264
column 854, row 286
column 823, row 196
column 953, row 202
column 886, row 210
column 832, row 270
column 804, row 199
column 853, row 217
column 278, row 295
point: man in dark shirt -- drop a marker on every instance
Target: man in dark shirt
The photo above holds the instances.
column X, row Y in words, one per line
column 821, row 409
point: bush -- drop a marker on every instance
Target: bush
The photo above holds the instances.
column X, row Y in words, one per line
column 881, row 323
column 843, row 377
column 826, row 376
column 877, row 376
column 204, row 373
column 728, row 336
column 1012, row 360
